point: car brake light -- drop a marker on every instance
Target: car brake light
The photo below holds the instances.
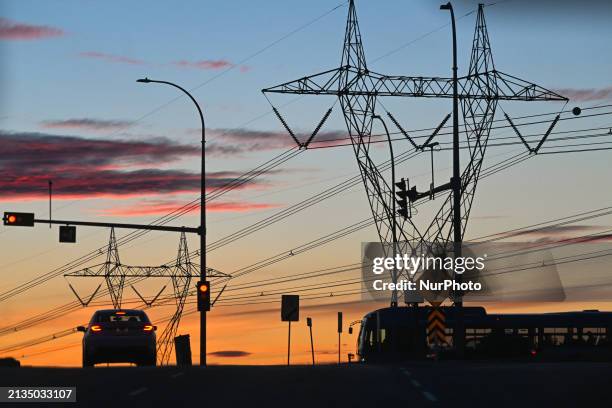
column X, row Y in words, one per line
column 96, row 328
column 120, row 313
column 148, row 327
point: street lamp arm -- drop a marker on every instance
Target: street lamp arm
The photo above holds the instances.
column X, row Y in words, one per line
column 147, row 80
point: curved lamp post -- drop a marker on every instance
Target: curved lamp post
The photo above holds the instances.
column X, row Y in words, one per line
column 459, row 332
column 202, row 212
column 394, row 218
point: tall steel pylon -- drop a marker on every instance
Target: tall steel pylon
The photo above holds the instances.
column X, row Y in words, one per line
column 358, row 88
column 113, row 273
column 183, row 271
column 180, row 273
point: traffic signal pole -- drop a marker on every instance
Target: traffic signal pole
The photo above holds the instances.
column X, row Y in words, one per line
column 28, row 220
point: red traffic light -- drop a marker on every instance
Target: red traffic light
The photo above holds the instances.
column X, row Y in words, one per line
column 203, row 293
column 19, row 219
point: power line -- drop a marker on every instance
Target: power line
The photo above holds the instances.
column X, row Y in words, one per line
column 324, row 240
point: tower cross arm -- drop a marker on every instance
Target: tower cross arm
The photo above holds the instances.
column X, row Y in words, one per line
column 513, row 88
column 487, row 85
column 323, row 83
column 350, row 81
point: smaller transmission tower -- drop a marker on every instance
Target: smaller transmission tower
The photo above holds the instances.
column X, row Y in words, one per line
column 180, row 273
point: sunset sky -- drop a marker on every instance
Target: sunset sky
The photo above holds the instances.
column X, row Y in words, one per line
column 116, row 150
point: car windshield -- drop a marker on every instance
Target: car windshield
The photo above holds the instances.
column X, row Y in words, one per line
column 121, row 316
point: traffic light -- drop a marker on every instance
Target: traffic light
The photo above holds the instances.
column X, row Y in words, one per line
column 402, row 201
column 67, row 233
column 18, row 219
column 203, row 296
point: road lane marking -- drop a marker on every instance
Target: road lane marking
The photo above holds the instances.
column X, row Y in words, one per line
column 430, row 396
column 175, row 375
column 138, row 391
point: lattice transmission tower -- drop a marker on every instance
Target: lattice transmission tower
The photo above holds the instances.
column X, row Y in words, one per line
column 357, row 89
column 116, row 275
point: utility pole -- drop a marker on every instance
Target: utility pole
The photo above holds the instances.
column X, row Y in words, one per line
column 50, row 192
column 309, row 324
column 339, row 335
column 202, row 212
column 289, row 345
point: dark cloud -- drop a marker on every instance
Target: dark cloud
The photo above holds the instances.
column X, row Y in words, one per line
column 575, row 240
column 217, row 149
column 235, row 142
column 587, row 94
column 230, row 353
column 111, row 58
column 86, row 124
column 88, row 168
column 12, row 30
column 563, row 233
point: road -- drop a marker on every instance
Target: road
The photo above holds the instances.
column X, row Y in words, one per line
column 420, row 384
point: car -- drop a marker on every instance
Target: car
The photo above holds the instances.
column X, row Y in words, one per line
column 119, row 336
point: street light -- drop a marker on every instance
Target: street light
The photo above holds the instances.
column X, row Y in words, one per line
column 459, row 335
column 393, row 219
column 202, row 213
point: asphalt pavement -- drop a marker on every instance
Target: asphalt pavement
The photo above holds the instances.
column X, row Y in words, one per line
column 419, row 384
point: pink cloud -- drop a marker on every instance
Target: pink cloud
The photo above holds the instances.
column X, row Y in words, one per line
column 11, row 30
column 160, row 207
column 90, row 168
column 111, row 58
column 210, row 65
column 204, row 64
column 86, row 124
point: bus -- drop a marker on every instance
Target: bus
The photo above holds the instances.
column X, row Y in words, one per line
column 400, row 333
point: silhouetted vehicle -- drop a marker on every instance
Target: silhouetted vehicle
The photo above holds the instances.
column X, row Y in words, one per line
column 393, row 334
column 9, row 362
column 119, row 336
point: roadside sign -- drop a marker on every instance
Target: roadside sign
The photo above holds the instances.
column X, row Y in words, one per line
column 290, row 308
column 436, row 325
